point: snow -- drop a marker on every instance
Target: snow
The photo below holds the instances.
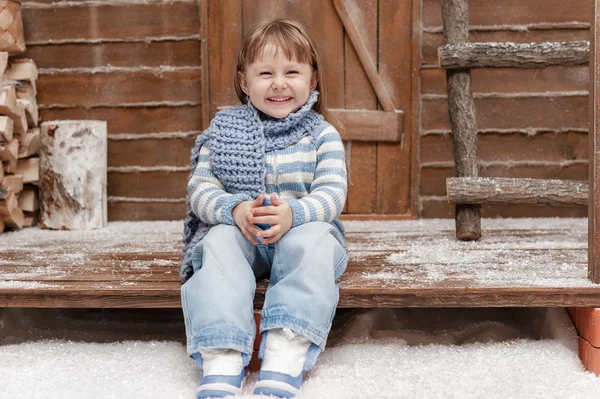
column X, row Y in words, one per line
column 384, row 353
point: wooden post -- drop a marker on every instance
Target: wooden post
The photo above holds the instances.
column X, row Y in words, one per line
column 462, row 116
column 73, row 175
column 594, row 145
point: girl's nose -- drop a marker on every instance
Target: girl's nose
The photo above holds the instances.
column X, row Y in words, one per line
column 279, row 82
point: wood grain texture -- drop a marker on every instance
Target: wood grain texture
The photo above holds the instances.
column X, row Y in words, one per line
column 511, row 55
column 137, row 266
column 513, row 12
column 365, row 125
column 396, row 54
column 150, row 152
column 124, row 54
column 594, row 145
column 140, row 210
column 135, row 120
column 116, row 88
column 362, row 176
column 148, row 184
column 432, row 41
column 461, row 109
column 509, row 80
column 111, row 21
column 484, row 190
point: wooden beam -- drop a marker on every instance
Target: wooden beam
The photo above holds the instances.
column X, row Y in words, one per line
column 203, row 10
column 594, row 149
column 367, row 125
column 363, row 54
column 461, row 108
column 482, row 190
column 513, row 55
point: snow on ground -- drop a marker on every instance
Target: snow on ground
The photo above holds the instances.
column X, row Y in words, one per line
column 403, row 353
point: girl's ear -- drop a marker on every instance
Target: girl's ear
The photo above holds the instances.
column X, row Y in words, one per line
column 314, row 80
column 243, row 84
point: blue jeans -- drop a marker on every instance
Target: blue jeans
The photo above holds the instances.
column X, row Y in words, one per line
column 303, row 268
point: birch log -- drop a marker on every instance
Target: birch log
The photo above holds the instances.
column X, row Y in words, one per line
column 73, row 175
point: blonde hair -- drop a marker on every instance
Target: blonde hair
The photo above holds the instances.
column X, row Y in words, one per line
column 291, row 37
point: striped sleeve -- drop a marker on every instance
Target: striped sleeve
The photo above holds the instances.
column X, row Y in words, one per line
column 208, row 199
column 329, row 188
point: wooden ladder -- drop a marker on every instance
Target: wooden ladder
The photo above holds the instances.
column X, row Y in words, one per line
column 468, row 191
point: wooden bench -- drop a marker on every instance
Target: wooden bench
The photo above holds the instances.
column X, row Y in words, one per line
column 519, row 262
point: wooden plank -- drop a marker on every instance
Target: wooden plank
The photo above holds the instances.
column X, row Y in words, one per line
column 365, row 125
column 396, row 57
column 550, row 146
column 540, row 112
column 362, row 174
column 150, row 152
column 594, row 145
column 111, row 21
column 203, row 12
column 125, row 54
column 485, row 190
column 433, row 179
column 119, row 87
column 440, row 208
column 432, row 41
column 224, row 38
column 513, row 12
column 510, row 80
column 161, row 184
column 134, row 120
column 462, row 117
column 512, row 55
column 145, row 211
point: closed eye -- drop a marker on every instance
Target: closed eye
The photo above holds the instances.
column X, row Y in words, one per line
column 293, row 72
column 265, row 73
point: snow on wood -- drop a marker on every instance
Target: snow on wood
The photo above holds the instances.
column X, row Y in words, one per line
column 74, row 167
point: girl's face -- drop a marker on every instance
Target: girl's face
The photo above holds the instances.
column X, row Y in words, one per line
column 276, row 85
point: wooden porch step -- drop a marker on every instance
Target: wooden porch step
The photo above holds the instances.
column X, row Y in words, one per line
column 518, row 262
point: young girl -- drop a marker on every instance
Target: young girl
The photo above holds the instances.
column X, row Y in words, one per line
column 267, row 186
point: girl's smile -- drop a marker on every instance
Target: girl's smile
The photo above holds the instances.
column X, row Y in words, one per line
column 276, row 85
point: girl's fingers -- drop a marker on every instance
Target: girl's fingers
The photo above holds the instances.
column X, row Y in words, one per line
column 264, row 210
column 265, row 219
column 248, row 234
column 270, row 232
column 259, row 200
column 272, row 240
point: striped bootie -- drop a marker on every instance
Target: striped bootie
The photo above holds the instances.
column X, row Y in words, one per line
column 222, row 373
column 282, row 369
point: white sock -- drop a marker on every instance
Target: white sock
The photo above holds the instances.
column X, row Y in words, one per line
column 219, row 361
column 285, row 352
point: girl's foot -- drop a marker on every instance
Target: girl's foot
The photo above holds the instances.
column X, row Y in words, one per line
column 222, row 373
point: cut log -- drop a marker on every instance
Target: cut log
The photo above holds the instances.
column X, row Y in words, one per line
column 461, row 108
column 12, row 39
column 31, row 218
column 481, row 190
column 513, row 55
column 29, row 199
column 30, row 169
column 10, row 107
column 6, row 128
column 22, row 69
column 8, row 202
column 13, row 182
column 30, row 143
column 26, row 95
column 3, row 62
column 15, row 220
column 1, row 225
column 73, row 167
column 9, row 153
column 31, row 112
column 1, row 171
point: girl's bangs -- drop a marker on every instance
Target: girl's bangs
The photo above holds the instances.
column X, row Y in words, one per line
column 294, row 47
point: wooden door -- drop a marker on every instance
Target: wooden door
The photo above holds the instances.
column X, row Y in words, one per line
column 379, row 145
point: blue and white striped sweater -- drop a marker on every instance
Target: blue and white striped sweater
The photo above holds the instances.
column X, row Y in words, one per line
column 310, row 175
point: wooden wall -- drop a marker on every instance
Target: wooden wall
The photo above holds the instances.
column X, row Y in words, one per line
column 532, row 122
column 137, row 64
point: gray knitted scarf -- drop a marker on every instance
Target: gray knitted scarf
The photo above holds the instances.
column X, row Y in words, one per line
column 238, row 138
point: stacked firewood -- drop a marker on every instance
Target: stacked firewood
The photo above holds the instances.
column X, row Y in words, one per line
column 19, row 144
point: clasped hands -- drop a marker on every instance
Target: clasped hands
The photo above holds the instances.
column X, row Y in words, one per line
column 248, row 214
